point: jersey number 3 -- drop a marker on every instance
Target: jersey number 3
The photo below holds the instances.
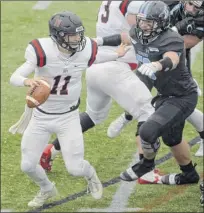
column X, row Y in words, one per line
column 64, row 90
column 104, row 17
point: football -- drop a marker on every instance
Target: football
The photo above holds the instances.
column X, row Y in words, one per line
column 38, row 95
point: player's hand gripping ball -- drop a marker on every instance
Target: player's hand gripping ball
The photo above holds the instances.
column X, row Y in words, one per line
column 38, row 94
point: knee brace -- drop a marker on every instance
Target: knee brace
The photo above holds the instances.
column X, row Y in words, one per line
column 150, row 150
column 138, row 128
column 150, row 131
column 86, row 122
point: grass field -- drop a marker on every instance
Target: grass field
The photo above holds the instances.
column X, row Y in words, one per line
column 19, row 25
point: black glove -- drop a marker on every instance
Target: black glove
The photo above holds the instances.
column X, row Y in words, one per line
column 185, row 26
column 198, row 33
column 199, row 21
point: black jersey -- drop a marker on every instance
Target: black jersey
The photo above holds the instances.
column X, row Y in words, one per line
column 177, row 14
column 176, row 82
column 171, row 4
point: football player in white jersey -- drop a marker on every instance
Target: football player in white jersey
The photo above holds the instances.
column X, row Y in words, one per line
column 121, row 84
column 59, row 59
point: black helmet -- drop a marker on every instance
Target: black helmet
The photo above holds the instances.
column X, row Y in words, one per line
column 155, row 12
column 199, row 5
column 63, row 25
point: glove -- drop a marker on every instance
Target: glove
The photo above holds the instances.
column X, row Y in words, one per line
column 199, row 21
column 199, row 27
column 149, row 70
column 198, row 33
column 185, row 26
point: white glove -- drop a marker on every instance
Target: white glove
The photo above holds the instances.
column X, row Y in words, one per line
column 149, row 70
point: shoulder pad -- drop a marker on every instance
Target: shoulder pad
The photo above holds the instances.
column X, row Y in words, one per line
column 40, row 53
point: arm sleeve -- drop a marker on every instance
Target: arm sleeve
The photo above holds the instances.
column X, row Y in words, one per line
column 21, row 73
column 113, row 40
column 103, row 56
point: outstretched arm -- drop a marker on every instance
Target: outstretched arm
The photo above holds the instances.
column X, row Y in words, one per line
column 114, row 40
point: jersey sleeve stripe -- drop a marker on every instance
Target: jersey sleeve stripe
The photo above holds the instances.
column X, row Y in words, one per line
column 94, row 52
column 123, row 6
column 41, row 57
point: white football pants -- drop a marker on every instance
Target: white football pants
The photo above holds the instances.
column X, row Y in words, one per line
column 116, row 80
column 197, row 120
column 35, row 138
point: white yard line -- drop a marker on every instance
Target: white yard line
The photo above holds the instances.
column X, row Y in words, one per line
column 120, row 198
column 41, row 5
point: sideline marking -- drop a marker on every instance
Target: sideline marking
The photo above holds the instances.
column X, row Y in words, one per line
column 41, row 5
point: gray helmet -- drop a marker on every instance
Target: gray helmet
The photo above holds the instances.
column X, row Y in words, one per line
column 157, row 12
column 65, row 24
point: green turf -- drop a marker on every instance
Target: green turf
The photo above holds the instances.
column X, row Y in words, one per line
column 19, row 25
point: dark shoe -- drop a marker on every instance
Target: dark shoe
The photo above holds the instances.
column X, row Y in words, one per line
column 137, row 171
column 182, row 178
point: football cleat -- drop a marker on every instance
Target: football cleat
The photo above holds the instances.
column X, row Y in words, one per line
column 181, row 178
column 200, row 151
column 94, row 186
column 116, row 126
column 45, row 160
column 42, row 197
column 152, row 177
column 136, row 171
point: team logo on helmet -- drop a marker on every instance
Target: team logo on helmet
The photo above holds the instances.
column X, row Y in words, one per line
column 57, row 22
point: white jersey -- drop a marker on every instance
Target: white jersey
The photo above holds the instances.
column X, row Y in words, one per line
column 112, row 16
column 112, row 20
column 64, row 75
column 63, row 72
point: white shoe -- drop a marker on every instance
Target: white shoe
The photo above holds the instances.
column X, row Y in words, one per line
column 116, row 126
column 200, row 151
column 95, row 187
column 41, row 197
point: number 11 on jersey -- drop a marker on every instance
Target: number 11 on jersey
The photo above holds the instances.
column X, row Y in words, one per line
column 64, row 90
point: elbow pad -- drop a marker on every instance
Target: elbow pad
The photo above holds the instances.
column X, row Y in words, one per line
column 113, row 40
